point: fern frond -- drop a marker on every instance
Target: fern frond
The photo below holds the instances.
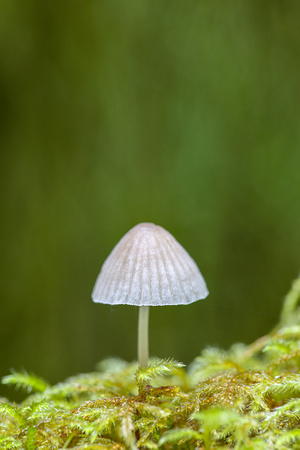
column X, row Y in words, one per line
column 26, row 381
column 156, row 369
column 282, row 388
column 179, row 436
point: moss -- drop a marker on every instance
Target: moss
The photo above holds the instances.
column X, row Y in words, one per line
column 244, row 398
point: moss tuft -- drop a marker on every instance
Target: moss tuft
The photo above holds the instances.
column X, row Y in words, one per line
column 244, row 398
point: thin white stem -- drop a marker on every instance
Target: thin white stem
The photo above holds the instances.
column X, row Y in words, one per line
column 143, row 340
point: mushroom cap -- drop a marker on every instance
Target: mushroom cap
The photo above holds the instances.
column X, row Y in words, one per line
column 148, row 267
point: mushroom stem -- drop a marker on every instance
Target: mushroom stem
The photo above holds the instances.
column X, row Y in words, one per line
column 143, row 341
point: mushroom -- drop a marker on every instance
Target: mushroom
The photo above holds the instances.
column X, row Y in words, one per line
column 148, row 267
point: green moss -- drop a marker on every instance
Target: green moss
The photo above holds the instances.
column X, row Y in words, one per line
column 244, row 398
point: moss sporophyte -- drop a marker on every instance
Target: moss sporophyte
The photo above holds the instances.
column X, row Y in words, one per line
column 148, row 267
column 246, row 398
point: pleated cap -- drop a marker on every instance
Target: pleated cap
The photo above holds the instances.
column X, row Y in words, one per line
column 148, row 267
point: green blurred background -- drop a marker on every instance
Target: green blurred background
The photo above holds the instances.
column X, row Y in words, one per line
column 185, row 114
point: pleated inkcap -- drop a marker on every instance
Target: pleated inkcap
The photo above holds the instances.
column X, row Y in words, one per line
column 148, row 267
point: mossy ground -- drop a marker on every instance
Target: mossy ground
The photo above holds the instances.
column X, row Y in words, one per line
column 244, row 398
